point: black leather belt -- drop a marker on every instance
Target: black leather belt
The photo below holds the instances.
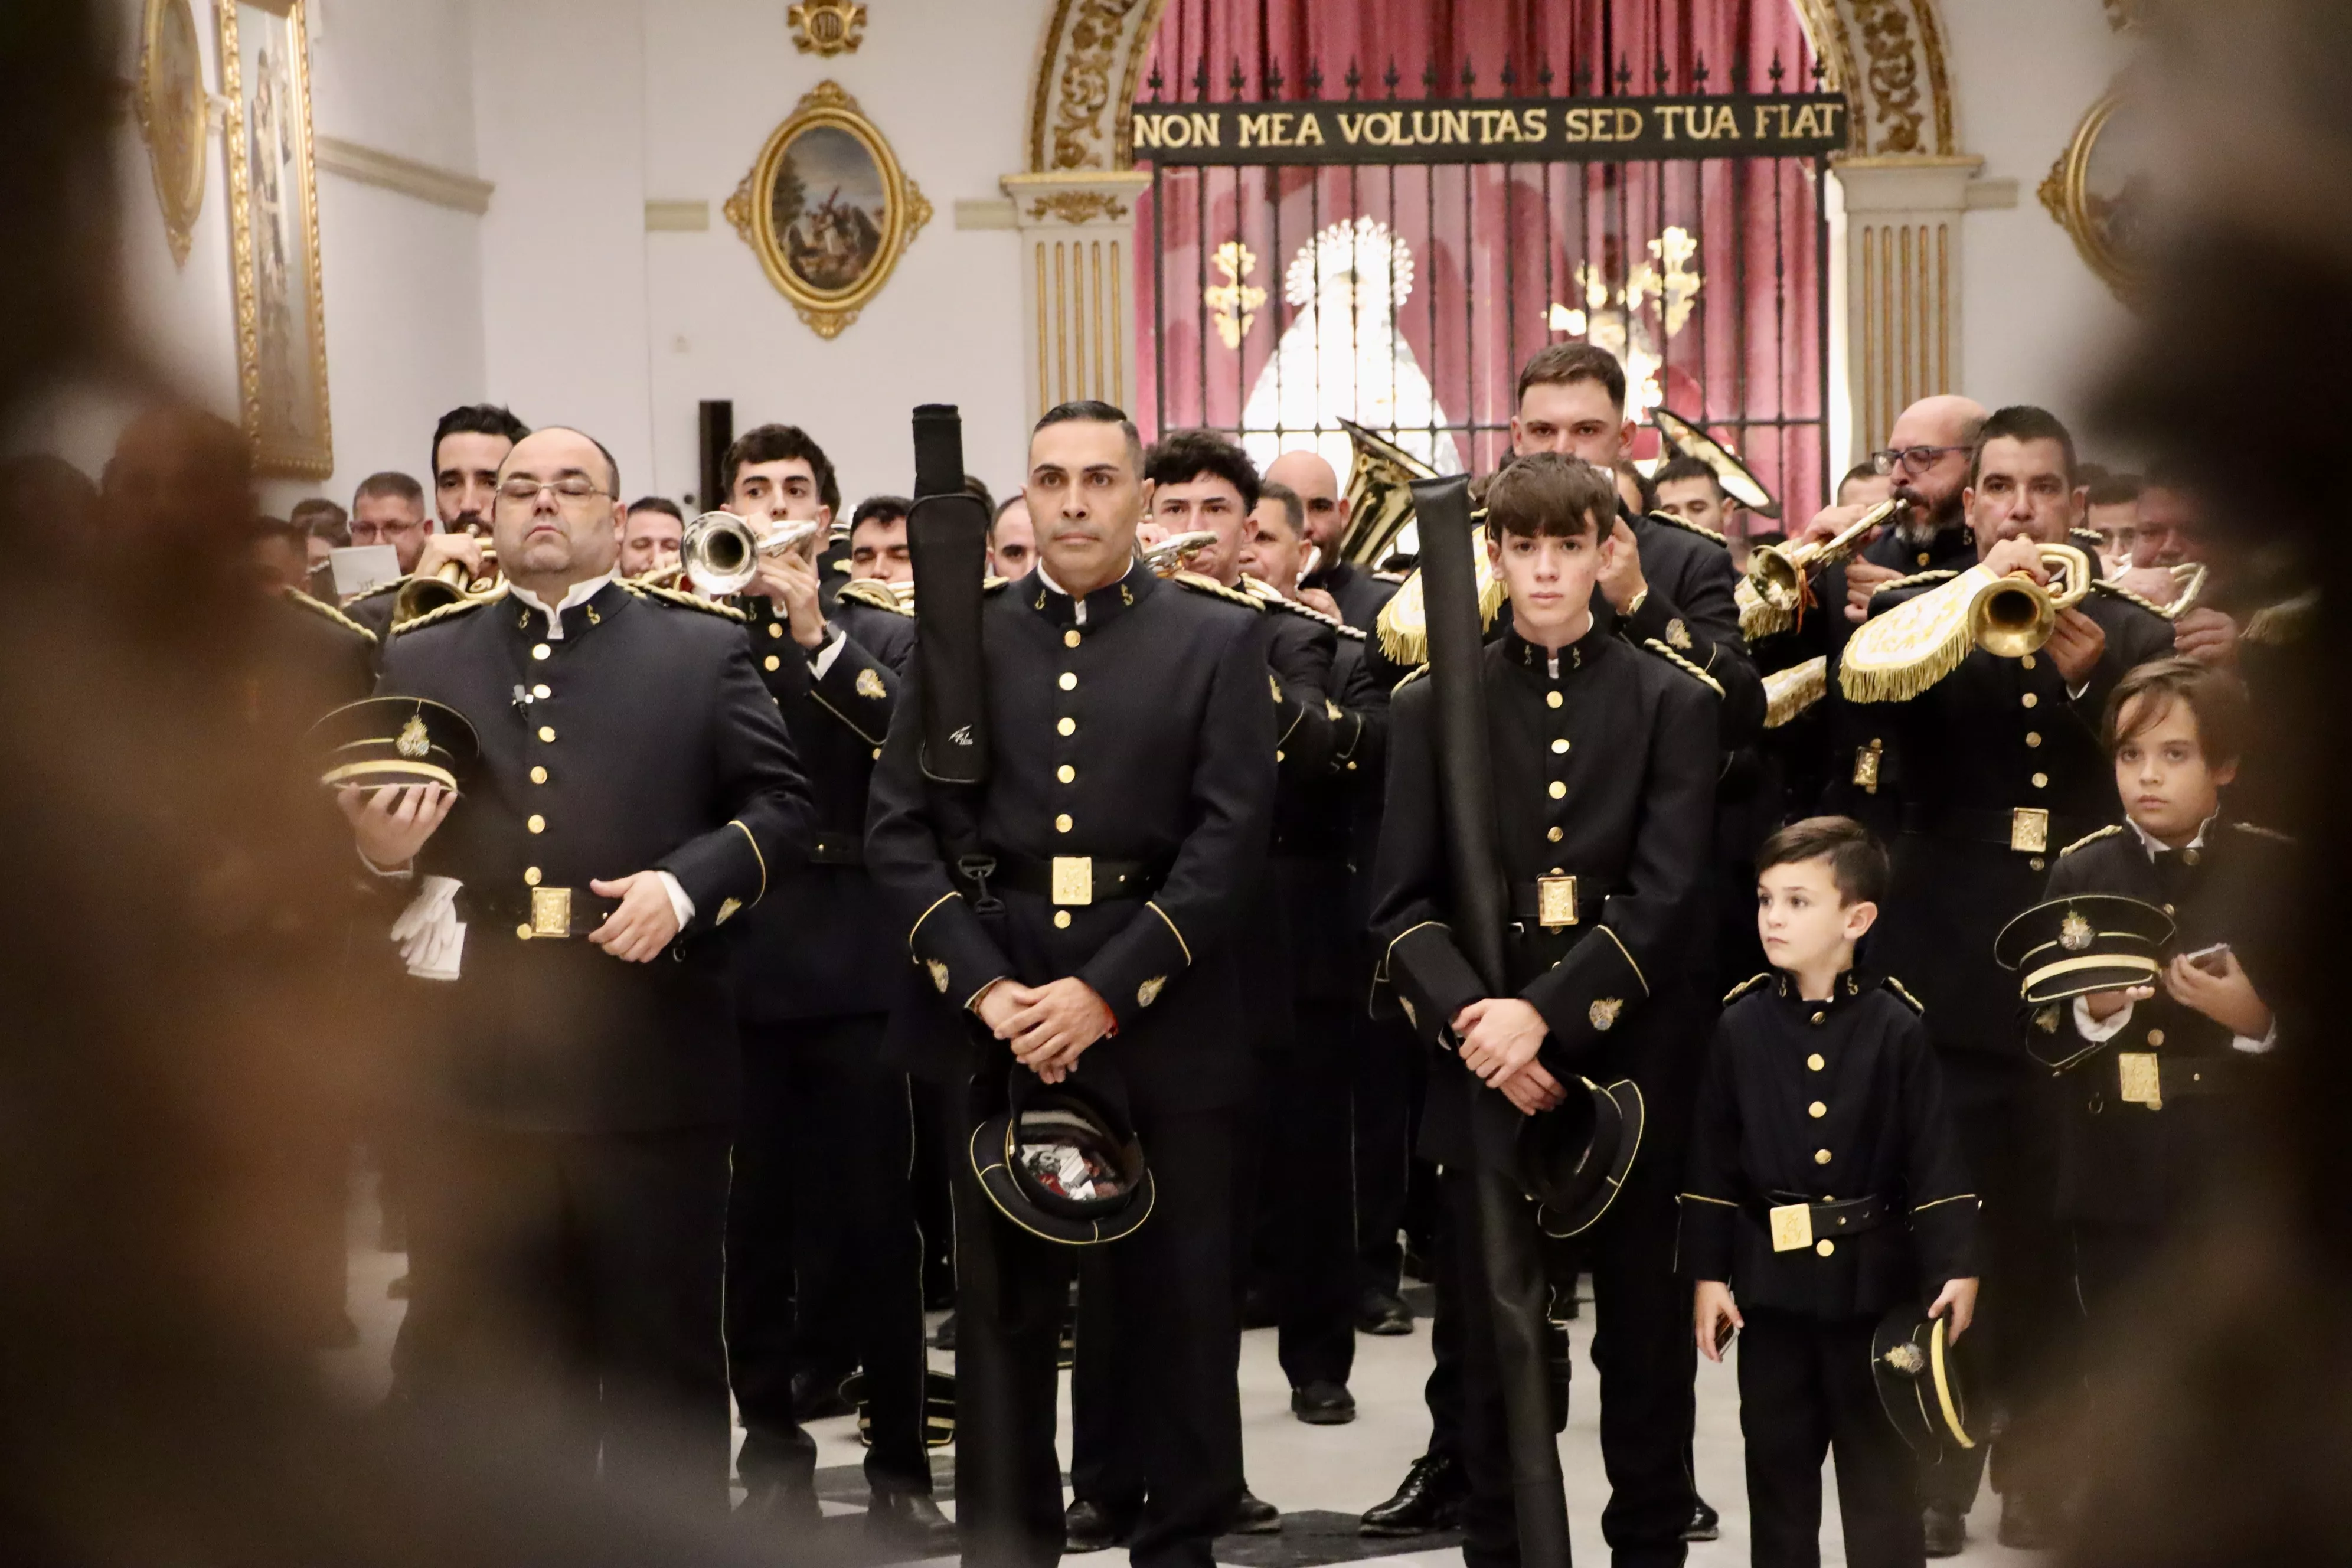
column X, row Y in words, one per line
column 537, row 913
column 836, row 849
column 1555, row 902
column 2150, row 1079
column 1797, row 1221
column 1063, row 878
column 2028, row 829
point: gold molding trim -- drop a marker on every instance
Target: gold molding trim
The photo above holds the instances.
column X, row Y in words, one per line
column 827, row 28
column 827, row 311
column 389, row 171
column 1079, row 206
column 174, row 131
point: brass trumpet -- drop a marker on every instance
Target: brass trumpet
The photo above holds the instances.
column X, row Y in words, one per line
column 1769, row 593
column 1175, row 553
column 446, row 584
column 1902, row 653
column 720, row 553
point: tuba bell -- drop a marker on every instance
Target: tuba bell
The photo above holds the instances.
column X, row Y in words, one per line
column 1898, row 655
column 1379, row 497
column 445, row 585
column 720, row 553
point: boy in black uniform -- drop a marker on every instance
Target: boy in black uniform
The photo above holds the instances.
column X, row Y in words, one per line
column 1605, row 758
column 2154, row 1078
column 1826, row 1185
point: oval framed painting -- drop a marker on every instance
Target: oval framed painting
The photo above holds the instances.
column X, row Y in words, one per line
column 174, row 116
column 827, row 209
column 2098, row 193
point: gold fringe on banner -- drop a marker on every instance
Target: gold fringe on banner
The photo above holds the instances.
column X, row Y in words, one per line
column 1403, row 624
column 1895, row 656
column 1788, row 692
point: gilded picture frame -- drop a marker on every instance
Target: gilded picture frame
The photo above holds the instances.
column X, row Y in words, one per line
column 174, row 114
column 2095, row 191
column 827, row 209
column 273, row 205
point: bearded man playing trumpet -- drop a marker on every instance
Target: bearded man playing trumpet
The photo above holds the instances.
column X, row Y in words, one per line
column 1993, row 693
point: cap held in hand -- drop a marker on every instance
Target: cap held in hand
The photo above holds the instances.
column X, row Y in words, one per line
column 394, row 741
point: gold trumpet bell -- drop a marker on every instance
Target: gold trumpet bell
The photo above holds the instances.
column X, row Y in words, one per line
column 448, row 584
column 1895, row 656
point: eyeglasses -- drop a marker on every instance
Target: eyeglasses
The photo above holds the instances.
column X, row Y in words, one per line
column 521, row 492
column 1916, row 459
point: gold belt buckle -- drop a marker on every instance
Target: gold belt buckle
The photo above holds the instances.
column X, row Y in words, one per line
column 1555, row 902
column 551, row 911
column 1793, row 1227
column 2029, row 830
column 1074, row 879
column 2141, row 1081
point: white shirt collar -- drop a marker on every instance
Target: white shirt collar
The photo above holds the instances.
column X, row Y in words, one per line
column 2155, row 845
column 580, row 593
column 1077, row 604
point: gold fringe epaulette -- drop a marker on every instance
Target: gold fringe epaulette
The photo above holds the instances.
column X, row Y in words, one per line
column 1685, row 666
column 326, row 611
column 1671, row 520
column 1404, row 621
column 1745, row 986
column 2090, row 539
column 1788, row 692
column 448, row 611
column 686, row 601
column 2117, row 590
column 875, row 596
column 2272, row 834
column 1410, row 676
column 1912, row 1002
column 2109, row 831
column 1210, row 585
column 2288, row 621
column 995, row 585
column 1913, row 581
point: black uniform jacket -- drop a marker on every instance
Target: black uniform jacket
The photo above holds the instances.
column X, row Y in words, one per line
column 1816, row 1102
column 1690, row 608
column 822, row 944
column 1603, row 771
column 1146, row 736
column 1356, row 592
column 2122, row 1161
column 639, row 741
column 1994, row 737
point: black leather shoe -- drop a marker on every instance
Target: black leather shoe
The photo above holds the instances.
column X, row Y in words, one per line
column 1380, row 1312
column 1256, row 1516
column 1323, row 1404
column 782, row 1503
column 817, row 1394
column 1090, row 1526
column 911, row 1522
column 1705, row 1524
column 1429, row 1500
column 2028, row 1523
column 1944, row 1529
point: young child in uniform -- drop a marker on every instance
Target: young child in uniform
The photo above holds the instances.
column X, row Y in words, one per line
column 1825, row 1188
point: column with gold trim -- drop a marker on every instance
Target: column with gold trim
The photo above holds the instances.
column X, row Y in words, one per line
column 1077, row 284
column 1902, row 283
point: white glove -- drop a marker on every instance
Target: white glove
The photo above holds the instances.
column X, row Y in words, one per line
column 432, row 938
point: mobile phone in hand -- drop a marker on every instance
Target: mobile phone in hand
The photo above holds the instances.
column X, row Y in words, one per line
column 2213, row 960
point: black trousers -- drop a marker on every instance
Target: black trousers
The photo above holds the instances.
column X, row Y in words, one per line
column 1306, row 1186
column 1387, row 1064
column 2004, row 1112
column 564, row 1299
column 822, row 1224
column 1175, row 1406
column 1805, row 1392
column 1642, row 1348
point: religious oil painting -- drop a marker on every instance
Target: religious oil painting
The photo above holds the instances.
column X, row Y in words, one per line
column 281, row 343
column 827, row 209
column 2097, row 192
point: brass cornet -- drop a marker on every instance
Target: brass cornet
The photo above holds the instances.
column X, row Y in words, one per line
column 1175, row 553
column 449, row 583
column 1775, row 584
column 720, row 553
column 1902, row 653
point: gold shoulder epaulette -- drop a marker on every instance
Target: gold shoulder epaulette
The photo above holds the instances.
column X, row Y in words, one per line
column 2272, row 834
column 1210, row 585
column 995, row 585
column 1913, row 581
column 1685, row 666
column 1912, row 1002
column 455, row 608
column 1745, row 986
column 2089, row 539
column 1396, row 577
column 875, row 596
column 326, row 611
column 1411, row 676
column 1671, row 520
column 686, row 601
column 2108, row 831
column 2287, row 621
column 2117, row 590
column 380, row 590
column 1788, row 692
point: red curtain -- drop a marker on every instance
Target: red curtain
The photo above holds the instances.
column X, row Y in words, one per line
column 1494, row 247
